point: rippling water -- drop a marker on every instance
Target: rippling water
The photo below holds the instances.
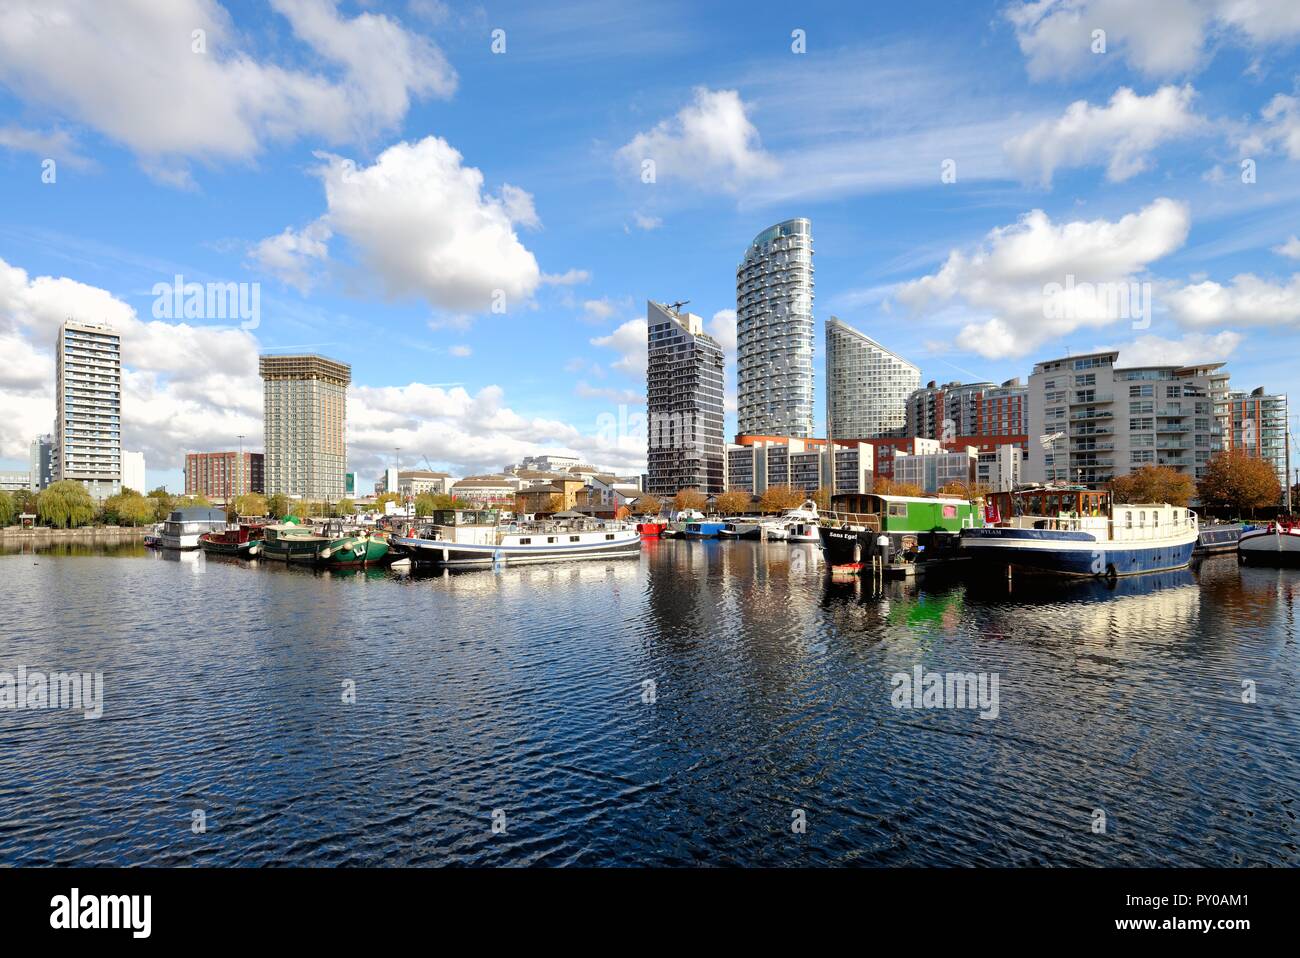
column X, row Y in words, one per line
column 522, row 691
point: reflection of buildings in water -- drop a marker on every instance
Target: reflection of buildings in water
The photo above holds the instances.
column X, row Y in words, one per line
column 1257, row 595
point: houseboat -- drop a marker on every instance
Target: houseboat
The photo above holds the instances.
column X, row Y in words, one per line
column 466, row 538
column 1080, row 532
column 703, row 529
column 1278, row 543
column 184, row 526
column 243, row 541
column 289, row 542
column 915, row 530
column 741, row 529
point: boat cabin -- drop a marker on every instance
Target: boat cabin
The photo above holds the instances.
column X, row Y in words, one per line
column 901, row 513
column 1048, row 503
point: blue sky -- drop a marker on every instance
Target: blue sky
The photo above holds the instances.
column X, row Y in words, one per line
column 381, row 172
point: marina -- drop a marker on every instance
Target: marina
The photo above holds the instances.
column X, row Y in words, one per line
column 770, row 691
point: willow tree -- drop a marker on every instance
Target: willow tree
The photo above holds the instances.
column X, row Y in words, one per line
column 7, row 509
column 65, row 504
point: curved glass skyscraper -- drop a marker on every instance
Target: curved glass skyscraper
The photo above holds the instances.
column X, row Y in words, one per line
column 774, row 332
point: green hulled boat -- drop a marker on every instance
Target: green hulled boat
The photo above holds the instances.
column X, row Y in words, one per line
column 354, row 551
column 290, row 542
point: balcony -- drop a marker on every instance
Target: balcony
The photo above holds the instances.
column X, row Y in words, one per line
column 1092, row 414
column 1098, row 398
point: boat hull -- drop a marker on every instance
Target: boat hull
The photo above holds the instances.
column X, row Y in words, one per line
column 1054, row 552
column 650, row 530
column 1270, row 547
column 290, row 550
column 1218, row 538
column 354, row 552
column 702, row 530
column 243, row 550
column 741, row 530
column 441, row 552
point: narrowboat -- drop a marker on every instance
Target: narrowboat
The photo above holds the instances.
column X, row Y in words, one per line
column 908, row 530
column 355, row 551
column 289, row 542
column 1080, row 532
column 184, row 526
column 1218, row 537
column 1278, row 543
column 703, row 529
column 741, row 529
column 244, row 541
column 466, row 538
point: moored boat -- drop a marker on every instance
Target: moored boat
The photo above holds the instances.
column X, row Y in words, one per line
column 801, row 524
column 904, row 532
column 1278, row 543
column 355, row 551
column 651, row 529
column 290, row 542
column 244, row 541
column 183, row 527
column 1081, row 532
column 466, row 538
column 741, row 529
column 703, row 529
column 1218, row 537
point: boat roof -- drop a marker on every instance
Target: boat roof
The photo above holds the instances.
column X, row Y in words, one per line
column 964, row 502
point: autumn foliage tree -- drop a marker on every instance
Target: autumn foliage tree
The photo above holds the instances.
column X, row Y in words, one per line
column 648, row 505
column 1154, row 484
column 1236, row 479
column 885, row 486
column 781, row 498
column 965, row 490
column 690, row 499
column 733, row 502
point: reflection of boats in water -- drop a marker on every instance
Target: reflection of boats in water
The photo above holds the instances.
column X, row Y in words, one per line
column 1278, row 543
column 1079, row 532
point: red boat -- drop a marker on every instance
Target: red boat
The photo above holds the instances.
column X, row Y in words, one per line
column 244, row 541
column 650, row 530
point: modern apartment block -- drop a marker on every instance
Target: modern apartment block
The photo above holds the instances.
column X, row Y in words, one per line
column 867, row 386
column 684, row 381
column 1112, row 420
column 13, row 480
column 305, row 411
column 41, row 462
column 757, row 462
column 968, row 409
column 133, row 472
column 88, row 427
column 931, row 471
column 221, row 476
column 774, row 332
column 1257, row 422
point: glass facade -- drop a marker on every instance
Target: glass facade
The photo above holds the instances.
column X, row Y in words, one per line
column 683, row 404
column 867, row 386
column 774, row 332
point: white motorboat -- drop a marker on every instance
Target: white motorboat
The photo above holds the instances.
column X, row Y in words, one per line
column 801, row 524
column 184, row 526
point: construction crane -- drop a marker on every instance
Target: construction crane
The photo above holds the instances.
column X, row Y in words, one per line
column 678, row 305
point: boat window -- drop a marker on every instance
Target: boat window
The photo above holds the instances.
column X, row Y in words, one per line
column 1155, row 518
column 525, row 541
column 1142, row 518
column 609, row 535
column 1128, row 520
column 550, row 538
column 950, row 512
column 573, row 538
column 898, row 509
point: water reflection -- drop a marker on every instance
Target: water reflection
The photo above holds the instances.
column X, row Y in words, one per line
column 670, row 709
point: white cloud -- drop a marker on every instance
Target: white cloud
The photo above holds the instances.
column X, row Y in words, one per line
column 644, row 222
column 1151, row 350
column 722, row 327
column 423, row 226
column 570, row 277
column 1290, row 249
column 1000, row 292
column 131, row 71
column 1156, row 37
column 54, row 144
column 1280, row 129
column 461, row 350
column 1247, row 301
column 711, row 143
column 293, row 255
column 189, row 388
column 1122, row 134
column 629, row 341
